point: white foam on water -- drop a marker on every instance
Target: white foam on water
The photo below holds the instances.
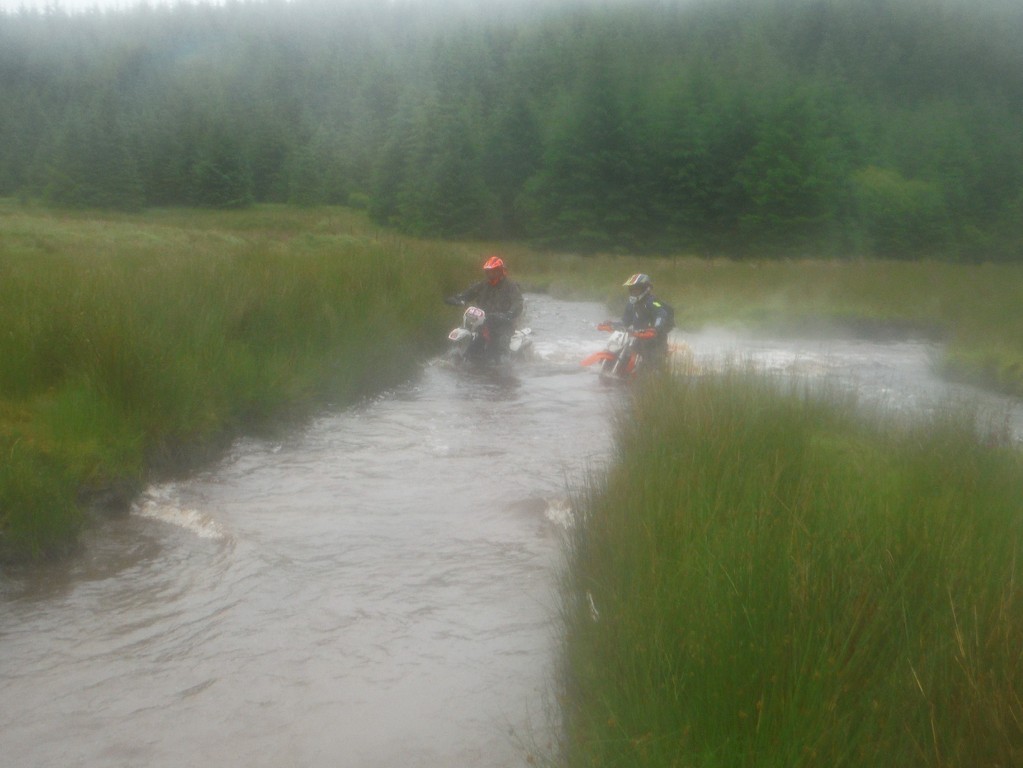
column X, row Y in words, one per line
column 560, row 512
column 161, row 503
column 565, row 350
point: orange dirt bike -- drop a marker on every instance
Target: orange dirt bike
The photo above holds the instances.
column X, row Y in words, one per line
column 620, row 358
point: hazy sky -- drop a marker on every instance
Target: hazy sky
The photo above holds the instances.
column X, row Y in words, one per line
column 74, row 6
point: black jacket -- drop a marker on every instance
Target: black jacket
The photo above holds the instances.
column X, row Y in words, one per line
column 502, row 301
column 648, row 312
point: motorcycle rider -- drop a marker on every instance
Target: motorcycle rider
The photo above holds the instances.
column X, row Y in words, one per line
column 500, row 298
column 643, row 312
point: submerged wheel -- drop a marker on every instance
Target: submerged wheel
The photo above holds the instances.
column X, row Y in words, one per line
column 633, row 365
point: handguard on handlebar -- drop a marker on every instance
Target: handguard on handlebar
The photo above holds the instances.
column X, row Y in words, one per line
column 646, row 333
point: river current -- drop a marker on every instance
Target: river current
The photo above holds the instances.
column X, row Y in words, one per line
column 377, row 590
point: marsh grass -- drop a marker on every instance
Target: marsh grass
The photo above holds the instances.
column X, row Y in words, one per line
column 131, row 343
column 782, row 580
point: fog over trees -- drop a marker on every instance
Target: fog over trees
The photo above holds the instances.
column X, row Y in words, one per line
column 793, row 127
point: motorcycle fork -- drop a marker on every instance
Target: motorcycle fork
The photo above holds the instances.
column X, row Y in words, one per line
column 626, row 363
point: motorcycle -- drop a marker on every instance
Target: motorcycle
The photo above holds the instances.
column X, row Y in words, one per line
column 620, row 359
column 471, row 341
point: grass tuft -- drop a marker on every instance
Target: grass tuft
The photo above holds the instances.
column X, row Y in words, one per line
column 781, row 581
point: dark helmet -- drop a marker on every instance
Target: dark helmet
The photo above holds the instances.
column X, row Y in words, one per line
column 639, row 285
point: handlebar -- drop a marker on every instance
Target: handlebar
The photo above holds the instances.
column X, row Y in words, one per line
column 645, row 333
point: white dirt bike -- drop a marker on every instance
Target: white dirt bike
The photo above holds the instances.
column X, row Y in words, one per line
column 470, row 342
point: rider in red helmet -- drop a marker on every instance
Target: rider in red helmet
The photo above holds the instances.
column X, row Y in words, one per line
column 495, row 270
column 499, row 297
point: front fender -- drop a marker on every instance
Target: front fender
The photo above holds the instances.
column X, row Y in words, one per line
column 596, row 357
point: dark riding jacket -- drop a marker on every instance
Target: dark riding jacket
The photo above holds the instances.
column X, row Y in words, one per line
column 648, row 312
column 503, row 300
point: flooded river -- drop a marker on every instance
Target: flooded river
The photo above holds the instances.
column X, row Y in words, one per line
column 377, row 590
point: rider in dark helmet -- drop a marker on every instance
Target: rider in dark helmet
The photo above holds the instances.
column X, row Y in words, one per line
column 499, row 297
column 644, row 311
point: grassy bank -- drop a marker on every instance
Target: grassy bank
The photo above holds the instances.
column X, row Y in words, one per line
column 136, row 343
column 770, row 578
column 976, row 310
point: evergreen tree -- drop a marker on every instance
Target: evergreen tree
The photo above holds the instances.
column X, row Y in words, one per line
column 220, row 176
column 442, row 189
column 90, row 164
column 514, row 152
column 316, row 171
column 789, row 176
column 588, row 193
column 453, row 198
column 901, row 218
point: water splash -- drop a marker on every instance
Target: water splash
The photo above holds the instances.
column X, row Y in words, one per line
column 560, row 512
column 162, row 503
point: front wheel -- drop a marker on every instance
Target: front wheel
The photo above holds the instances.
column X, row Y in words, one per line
column 620, row 369
column 614, row 369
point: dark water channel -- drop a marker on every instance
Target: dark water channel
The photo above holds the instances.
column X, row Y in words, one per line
column 378, row 590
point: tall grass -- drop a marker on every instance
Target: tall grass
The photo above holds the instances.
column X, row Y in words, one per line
column 769, row 578
column 131, row 343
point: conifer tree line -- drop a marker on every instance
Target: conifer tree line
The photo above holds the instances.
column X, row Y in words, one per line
column 889, row 128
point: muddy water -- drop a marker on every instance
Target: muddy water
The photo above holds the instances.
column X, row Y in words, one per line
column 378, row 590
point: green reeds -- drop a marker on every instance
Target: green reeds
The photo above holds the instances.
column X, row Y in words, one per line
column 774, row 578
column 134, row 343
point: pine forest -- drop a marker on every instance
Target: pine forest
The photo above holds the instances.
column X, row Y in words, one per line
column 824, row 128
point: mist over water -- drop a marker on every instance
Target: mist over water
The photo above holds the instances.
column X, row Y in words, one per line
column 85, row 6
column 377, row 590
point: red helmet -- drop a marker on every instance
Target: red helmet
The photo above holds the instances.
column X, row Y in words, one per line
column 494, row 269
